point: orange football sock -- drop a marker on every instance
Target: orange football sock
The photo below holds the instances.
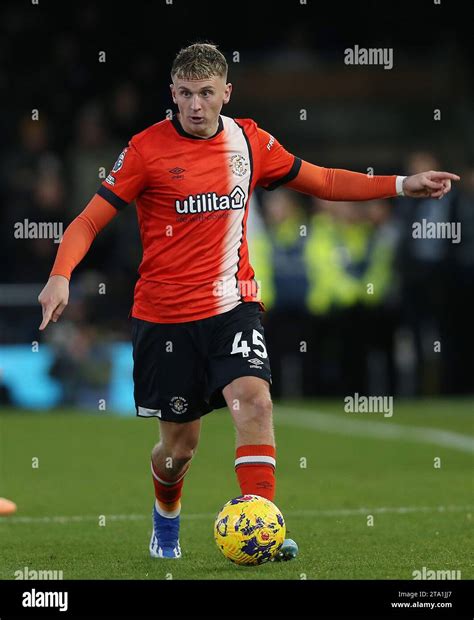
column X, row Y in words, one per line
column 255, row 469
column 168, row 492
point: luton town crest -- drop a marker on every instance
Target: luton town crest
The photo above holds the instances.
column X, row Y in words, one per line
column 239, row 165
column 178, row 404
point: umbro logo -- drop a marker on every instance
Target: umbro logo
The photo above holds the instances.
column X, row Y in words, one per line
column 255, row 361
column 177, row 172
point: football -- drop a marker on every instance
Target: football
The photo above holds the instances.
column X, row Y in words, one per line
column 249, row 530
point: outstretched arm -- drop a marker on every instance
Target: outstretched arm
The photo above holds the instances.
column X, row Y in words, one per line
column 75, row 244
column 339, row 184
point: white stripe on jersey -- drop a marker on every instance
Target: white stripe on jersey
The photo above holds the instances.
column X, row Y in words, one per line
column 236, row 147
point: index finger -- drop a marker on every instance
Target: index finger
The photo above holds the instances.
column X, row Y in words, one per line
column 445, row 175
column 46, row 317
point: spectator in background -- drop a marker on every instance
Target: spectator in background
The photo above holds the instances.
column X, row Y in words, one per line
column 324, row 352
column 381, row 297
column 92, row 153
column 81, row 361
column 457, row 336
column 338, row 249
column 125, row 112
column 45, row 204
column 32, row 188
column 333, row 288
column 294, row 50
column 424, row 278
column 350, row 256
column 18, row 173
column 74, row 78
column 21, row 162
column 48, row 205
column 28, row 187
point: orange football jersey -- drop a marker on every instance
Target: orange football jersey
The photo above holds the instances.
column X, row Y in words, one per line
column 192, row 197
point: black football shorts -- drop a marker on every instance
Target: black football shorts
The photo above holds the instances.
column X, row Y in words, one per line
column 180, row 369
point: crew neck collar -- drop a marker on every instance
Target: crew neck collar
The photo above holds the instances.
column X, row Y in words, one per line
column 179, row 128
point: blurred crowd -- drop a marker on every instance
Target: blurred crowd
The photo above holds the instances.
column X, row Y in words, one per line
column 356, row 302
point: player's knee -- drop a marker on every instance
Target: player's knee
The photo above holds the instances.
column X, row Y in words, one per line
column 182, row 454
column 174, row 455
column 257, row 405
column 263, row 406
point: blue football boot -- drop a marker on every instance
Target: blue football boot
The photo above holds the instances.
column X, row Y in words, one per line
column 164, row 541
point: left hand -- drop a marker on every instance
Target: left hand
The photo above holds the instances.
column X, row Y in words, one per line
column 432, row 184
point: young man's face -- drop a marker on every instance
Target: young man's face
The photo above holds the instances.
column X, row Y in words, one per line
column 200, row 103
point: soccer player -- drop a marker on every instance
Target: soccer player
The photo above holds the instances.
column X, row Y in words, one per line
column 198, row 341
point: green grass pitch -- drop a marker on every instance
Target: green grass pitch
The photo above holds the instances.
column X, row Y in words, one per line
column 334, row 469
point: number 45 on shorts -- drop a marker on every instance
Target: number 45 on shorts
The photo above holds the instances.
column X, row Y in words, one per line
column 241, row 346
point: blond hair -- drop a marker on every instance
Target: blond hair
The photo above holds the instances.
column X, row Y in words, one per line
column 199, row 61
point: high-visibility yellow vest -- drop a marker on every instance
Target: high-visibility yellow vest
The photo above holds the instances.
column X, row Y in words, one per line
column 347, row 262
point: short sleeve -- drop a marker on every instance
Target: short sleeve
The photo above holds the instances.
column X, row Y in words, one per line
column 126, row 180
column 277, row 166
